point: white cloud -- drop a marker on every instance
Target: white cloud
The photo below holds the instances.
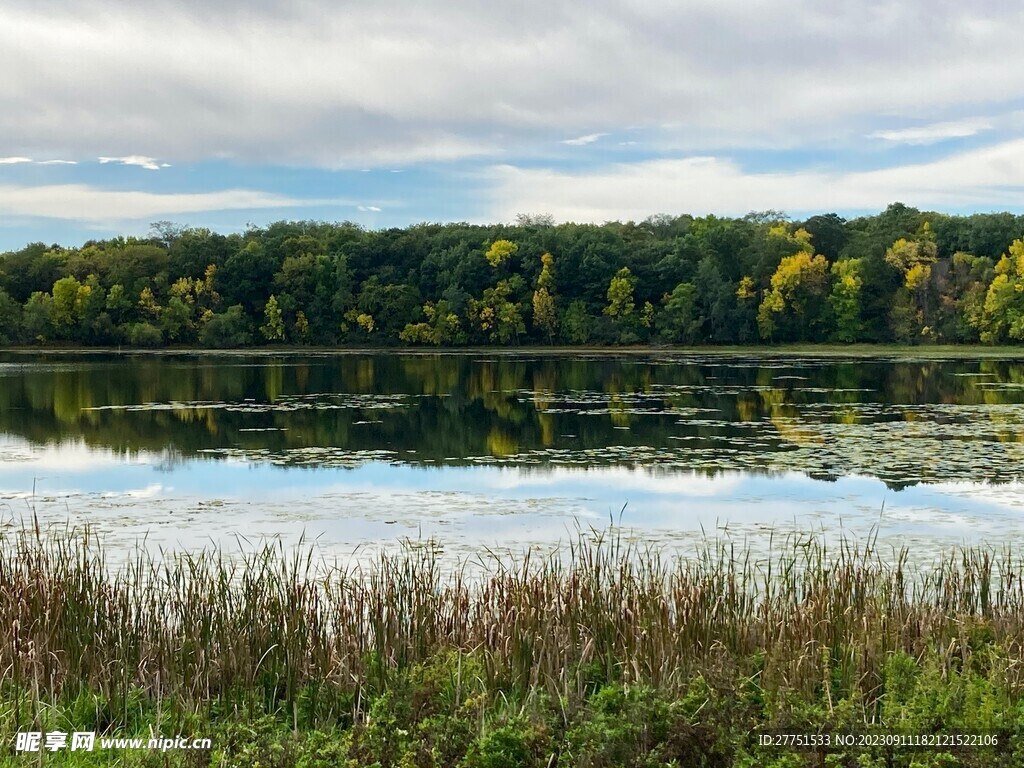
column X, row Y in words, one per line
column 929, row 134
column 339, row 85
column 14, row 160
column 981, row 178
column 368, row 208
column 149, row 163
column 87, row 203
column 589, row 138
column 57, row 162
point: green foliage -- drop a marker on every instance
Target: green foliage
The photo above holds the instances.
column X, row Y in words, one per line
column 680, row 320
column 273, row 327
column 10, row 318
column 518, row 743
column 37, row 317
column 577, row 323
column 845, row 299
column 1003, row 314
column 682, row 663
column 497, row 314
column 144, row 335
column 634, row 726
column 545, row 316
column 176, row 320
column 227, row 329
column 620, row 295
column 902, row 275
column 63, row 314
column 442, row 326
column 545, row 312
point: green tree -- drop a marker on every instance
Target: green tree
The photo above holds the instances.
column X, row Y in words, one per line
column 37, row 317
column 1003, row 314
column 175, row 320
column 577, row 323
column 620, row 295
column 845, row 299
column 301, row 326
column 273, row 327
column 119, row 304
column 230, row 328
column 680, row 320
column 545, row 316
column 963, row 302
column 10, row 318
column 910, row 317
column 144, row 335
column 718, row 305
column 148, row 304
column 90, row 301
column 442, row 326
column 246, row 274
column 497, row 315
column 828, row 234
column 63, row 315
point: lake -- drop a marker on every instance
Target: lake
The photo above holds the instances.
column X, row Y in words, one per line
column 478, row 450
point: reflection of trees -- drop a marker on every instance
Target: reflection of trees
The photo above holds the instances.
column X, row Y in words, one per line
column 453, row 407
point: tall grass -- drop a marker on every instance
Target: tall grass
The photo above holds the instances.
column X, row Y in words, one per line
column 284, row 630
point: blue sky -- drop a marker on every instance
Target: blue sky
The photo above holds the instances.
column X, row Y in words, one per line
column 116, row 114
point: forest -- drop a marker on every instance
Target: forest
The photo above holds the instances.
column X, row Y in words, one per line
column 901, row 276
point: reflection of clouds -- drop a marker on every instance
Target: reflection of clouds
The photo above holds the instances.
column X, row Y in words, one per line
column 149, row 492
column 1007, row 495
column 378, row 503
column 70, row 455
column 618, row 479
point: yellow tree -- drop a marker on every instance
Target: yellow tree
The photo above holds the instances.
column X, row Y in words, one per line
column 545, row 314
column 1003, row 314
column 500, row 251
column 910, row 315
column 796, row 297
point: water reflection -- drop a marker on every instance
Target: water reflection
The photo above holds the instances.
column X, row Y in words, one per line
column 469, row 508
column 500, row 449
column 903, row 421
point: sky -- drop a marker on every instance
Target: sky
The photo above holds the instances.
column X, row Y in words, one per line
column 116, row 114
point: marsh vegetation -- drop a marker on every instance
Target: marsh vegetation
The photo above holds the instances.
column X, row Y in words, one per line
column 614, row 655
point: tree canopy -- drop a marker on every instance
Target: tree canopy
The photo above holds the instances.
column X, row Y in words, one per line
column 901, row 275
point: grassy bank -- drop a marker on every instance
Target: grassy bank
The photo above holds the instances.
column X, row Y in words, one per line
column 612, row 656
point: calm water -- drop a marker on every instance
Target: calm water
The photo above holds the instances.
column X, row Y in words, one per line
column 507, row 451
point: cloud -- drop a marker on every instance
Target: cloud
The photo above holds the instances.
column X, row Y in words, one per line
column 930, row 134
column 149, row 163
column 590, row 138
column 334, row 85
column 368, row 208
column 980, row 178
column 14, row 160
column 87, row 203
column 57, row 162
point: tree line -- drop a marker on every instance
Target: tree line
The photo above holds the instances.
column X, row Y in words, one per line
column 902, row 276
